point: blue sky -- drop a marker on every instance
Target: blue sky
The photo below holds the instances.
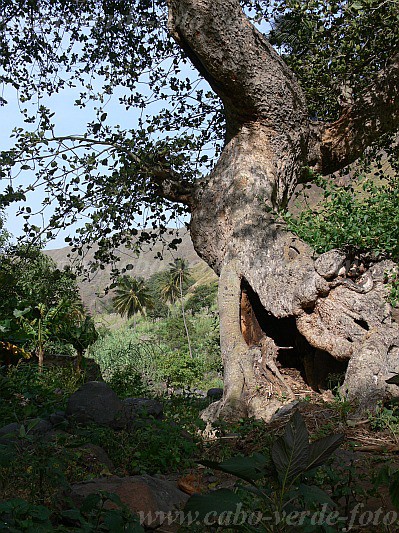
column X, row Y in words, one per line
column 69, row 120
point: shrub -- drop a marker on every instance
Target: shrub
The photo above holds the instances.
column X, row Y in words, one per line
column 203, row 297
column 364, row 219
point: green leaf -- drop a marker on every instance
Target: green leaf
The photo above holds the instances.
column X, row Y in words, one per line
column 217, row 502
column 90, row 503
column 290, row 453
column 321, row 449
column 394, row 380
column 315, row 495
column 18, row 312
column 73, row 514
column 111, row 496
column 246, row 468
column 114, row 521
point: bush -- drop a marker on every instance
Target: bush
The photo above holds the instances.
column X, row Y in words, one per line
column 122, row 351
column 178, row 369
column 30, row 393
column 362, row 220
column 141, row 361
column 204, row 297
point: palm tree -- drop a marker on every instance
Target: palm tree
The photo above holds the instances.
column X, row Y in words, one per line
column 132, row 297
column 176, row 278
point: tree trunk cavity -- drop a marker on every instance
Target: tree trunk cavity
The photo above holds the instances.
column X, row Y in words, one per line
column 277, row 300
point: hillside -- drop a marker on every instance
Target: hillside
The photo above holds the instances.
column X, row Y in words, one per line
column 144, row 265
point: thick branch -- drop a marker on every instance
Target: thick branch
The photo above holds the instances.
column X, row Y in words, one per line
column 375, row 112
column 168, row 183
column 172, row 186
column 239, row 63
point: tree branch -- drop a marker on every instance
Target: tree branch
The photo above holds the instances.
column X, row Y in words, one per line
column 374, row 112
column 168, row 183
column 253, row 82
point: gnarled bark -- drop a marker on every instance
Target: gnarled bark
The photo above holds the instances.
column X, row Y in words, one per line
column 323, row 314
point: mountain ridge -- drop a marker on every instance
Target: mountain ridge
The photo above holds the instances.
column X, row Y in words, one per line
column 144, row 265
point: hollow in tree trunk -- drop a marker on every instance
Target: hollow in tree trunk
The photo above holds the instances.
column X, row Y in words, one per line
column 276, row 297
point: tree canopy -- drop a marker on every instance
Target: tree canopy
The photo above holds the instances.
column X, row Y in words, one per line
column 124, row 51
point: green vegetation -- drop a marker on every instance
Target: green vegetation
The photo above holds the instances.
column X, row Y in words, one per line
column 280, row 472
column 278, row 483
column 361, row 220
column 336, row 49
column 131, row 297
column 155, row 354
column 40, row 306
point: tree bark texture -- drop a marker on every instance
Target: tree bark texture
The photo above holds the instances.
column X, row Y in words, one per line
column 275, row 296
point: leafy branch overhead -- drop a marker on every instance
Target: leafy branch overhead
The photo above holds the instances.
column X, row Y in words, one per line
column 127, row 53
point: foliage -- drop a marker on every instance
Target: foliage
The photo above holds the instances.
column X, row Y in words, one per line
column 4, row 234
column 392, row 280
column 29, row 277
column 40, row 303
column 32, row 394
column 179, row 369
column 335, row 48
column 159, row 446
column 362, row 220
column 175, row 281
column 132, row 296
column 290, row 491
column 121, row 353
column 78, row 331
column 173, row 286
column 203, row 297
column 157, row 353
column 94, row 515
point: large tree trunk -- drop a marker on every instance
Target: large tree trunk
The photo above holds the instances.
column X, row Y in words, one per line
column 274, row 294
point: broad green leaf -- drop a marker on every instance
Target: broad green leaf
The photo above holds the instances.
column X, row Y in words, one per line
column 247, row 468
column 114, row 498
column 114, row 521
column 290, row 453
column 321, row 449
column 73, row 514
column 217, row 502
column 315, row 495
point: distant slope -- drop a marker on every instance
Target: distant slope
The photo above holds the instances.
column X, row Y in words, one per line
column 144, row 265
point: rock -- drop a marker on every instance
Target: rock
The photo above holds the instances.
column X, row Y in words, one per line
column 142, row 408
column 215, row 393
column 57, row 418
column 91, row 453
column 38, row 426
column 35, row 426
column 285, row 410
column 9, row 433
column 329, row 264
column 145, row 495
column 199, row 393
column 96, row 402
